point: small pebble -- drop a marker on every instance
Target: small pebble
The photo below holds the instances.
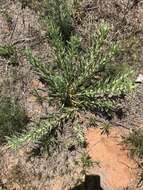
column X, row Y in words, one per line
column 139, row 79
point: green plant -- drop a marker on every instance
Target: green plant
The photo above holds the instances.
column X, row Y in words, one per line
column 59, row 13
column 80, row 134
column 86, row 161
column 105, row 128
column 92, row 121
column 12, row 118
column 47, row 144
column 6, row 51
column 134, row 143
column 78, row 78
column 9, row 52
column 44, row 127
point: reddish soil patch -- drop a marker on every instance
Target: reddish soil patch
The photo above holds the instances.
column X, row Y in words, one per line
column 117, row 170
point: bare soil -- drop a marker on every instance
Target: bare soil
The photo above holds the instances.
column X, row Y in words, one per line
column 116, row 169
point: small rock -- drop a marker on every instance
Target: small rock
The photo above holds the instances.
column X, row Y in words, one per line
column 36, row 84
column 139, row 79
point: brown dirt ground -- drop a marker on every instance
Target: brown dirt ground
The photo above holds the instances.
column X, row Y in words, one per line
column 117, row 170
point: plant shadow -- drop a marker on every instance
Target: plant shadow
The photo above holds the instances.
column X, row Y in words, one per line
column 92, row 182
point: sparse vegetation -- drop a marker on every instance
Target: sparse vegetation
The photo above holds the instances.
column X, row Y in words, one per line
column 9, row 20
column 44, row 127
column 12, row 118
column 92, row 121
column 105, row 128
column 59, row 13
column 80, row 134
column 134, row 143
column 86, row 161
column 9, row 52
column 6, row 51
